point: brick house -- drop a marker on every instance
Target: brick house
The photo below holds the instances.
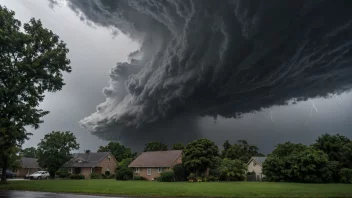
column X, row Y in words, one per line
column 150, row 164
column 28, row 166
column 87, row 163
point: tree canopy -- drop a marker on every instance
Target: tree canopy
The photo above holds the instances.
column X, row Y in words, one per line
column 241, row 151
column 119, row 151
column 29, row 152
column 200, row 155
column 155, row 146
column 232, row 170
column 54, row 150
column 298, row 163
column 178, row 146
column 32, row 60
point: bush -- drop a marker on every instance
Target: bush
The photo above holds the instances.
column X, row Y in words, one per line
column 95, row 176
column 212, row 178
column 107, row 173
column 346, row 175
column 124, row 174
column 192, row 177
column 137, row 177
column 62, row 173
column 78, row 176
column 180, row 173
column 167, row 176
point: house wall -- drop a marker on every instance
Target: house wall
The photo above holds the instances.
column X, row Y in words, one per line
column 257, row 168
column 154, row 173
column 22, row 172
column 86, row 172
column 108, row 165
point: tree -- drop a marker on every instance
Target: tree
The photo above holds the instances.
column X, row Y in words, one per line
column 54, row 150
column 199, row 155
column 119, row 151
column 13, row 159
column 29, row 152
column 178, row 146
column 298, row 163
column 155, row 146
column 226, row 146
column 336, row 147
column 32, row 60
column 242, row 151
column 232, row 170
column 124, row 163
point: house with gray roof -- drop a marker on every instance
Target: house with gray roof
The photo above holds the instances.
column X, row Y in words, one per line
column 150, row 164
column 255, row 164
column 88, row 162
column 28, row 166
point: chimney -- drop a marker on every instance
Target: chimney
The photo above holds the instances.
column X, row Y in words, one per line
column 87, row 151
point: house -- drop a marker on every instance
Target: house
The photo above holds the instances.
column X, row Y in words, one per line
column 255, row 164
column 150, row 164
column 87, row 163
column 28, row 166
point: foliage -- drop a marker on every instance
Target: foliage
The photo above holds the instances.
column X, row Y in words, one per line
column 192, row 177
column 178, row 146
column 332, row 145
column 155, row 146
column 107, row 173
column 124, row 163
column 180, row 172
column 119, row 151
column 124, row 174
column 199, row 155
column 77, row 176
column 13, row 158
column 62, row 173
column 233, row 170
column 32, row 60
column 54, row 150
column 346, row 175
column 242, row 151
column 297, row 163
column 226, row 146
column 29, row 152
column 167, row 176
column 96, row 176
column 137, row 177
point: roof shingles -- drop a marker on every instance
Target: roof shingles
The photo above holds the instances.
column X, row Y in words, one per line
column 85, row 160
column 156, row 159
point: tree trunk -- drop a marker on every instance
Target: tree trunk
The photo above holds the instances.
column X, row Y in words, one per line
column 4, row 168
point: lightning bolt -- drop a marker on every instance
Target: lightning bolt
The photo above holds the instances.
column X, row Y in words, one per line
column 338, row 100
column 271, row 116
column 313, row 106
column 311, row 111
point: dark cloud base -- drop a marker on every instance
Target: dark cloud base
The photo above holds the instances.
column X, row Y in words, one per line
column 218, row 58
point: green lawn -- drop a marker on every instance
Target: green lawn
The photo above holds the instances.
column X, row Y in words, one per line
column 206, row 189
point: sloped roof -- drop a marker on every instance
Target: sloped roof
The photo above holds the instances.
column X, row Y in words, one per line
column 27, row 162
column 156, row 159
column 85, row 159
column 259, row 160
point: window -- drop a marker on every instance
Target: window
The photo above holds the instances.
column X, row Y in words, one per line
column 149, row 171
column 160, row 169
column 136, row 170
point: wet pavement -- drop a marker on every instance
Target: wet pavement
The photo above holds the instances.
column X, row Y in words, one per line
column 29, row 194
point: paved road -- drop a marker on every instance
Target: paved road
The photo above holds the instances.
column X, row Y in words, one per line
column 27, row 194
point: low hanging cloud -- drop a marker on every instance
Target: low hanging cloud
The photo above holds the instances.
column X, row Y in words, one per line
column 219, row 58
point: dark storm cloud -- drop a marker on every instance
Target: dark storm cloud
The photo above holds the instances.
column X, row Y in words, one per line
column 220, row 58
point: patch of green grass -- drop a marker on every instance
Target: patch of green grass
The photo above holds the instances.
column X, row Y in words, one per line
column 177, row 189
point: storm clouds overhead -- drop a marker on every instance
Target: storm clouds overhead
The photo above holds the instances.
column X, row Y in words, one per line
column 267, row 71
column 220, row 58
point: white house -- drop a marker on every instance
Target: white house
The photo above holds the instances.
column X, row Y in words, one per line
column 255, row 164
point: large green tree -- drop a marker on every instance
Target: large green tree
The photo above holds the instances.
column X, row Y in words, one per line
column 200, row 155
column 336, row 147
column 178, row 146
column 29, row 152
column 232, row 170
column 32, row 60
column 155, row 146
column 54, row 150
column 119, row 151
column 298, row 163
column 241, row 151
column 13, row 158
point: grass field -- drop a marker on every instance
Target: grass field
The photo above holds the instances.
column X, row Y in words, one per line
column 186, row 189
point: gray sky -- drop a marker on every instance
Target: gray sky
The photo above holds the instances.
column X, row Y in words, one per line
column 94, row 51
